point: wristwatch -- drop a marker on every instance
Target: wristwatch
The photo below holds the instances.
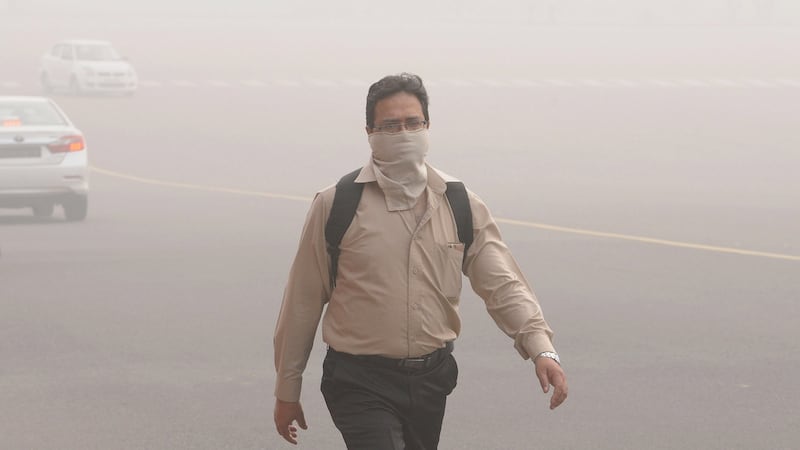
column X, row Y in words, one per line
column 551, row 355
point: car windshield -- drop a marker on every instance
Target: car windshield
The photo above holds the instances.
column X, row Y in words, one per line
column 96, row 52
column 28, row 113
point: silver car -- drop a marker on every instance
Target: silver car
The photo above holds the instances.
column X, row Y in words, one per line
column 43, row 159
column 84, row 66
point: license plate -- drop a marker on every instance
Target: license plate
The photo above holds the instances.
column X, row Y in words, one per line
column 20, row 151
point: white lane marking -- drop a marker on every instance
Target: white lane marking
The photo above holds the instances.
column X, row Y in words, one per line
column 287, row 83
column 494, row 83
column 592, row 83
column 317, row 82
column 218, row 83
column 788, row 82
column 525, row 83
column 759, row 83
column 356, row 83
column 694, row 83
column 726, row 83
column 254, row 83
column 184, row 83
column 459, row 83
column 602, row 234
column 626, row 83
column 663, row 83
column 559, row 82
column 10, row 84
column 467, row 83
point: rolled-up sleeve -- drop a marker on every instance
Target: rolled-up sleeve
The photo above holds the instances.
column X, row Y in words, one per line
column 498, row 280
column 304, row 298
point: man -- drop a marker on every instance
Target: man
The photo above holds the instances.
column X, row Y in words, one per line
column 392, row 308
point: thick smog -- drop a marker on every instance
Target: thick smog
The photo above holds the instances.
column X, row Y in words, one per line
column 158, row 163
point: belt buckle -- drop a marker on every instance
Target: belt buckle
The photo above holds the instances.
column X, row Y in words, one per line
column 413, row 363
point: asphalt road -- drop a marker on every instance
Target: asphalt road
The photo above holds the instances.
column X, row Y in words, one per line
column 150, row 324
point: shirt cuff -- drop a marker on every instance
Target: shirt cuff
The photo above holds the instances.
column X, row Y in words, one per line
column 288, row 391
column 529, row 345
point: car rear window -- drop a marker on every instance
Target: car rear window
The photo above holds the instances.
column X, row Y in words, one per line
column 95, row 53
column 29, row 113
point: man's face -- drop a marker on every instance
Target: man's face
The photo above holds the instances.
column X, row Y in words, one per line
column 399, row 108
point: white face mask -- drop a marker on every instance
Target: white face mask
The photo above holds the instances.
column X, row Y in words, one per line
column 399, row 163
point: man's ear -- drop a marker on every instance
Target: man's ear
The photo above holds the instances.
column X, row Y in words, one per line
column 367, row 129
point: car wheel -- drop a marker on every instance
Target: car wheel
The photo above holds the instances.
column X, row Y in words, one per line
column 75, row 209
column 43, row 210
column 47, row 88
column 74, row 86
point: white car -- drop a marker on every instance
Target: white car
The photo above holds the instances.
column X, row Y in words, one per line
column 43, row 159
column 83, row 66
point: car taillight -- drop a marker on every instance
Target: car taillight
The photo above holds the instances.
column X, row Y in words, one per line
column 65, row 144
column 14, row 122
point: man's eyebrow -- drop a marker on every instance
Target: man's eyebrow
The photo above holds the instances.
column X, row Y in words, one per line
column 404, row 119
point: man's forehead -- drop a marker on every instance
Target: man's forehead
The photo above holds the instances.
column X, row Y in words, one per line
column 397, row 103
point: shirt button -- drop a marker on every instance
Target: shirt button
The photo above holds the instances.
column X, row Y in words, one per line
column 414, row 270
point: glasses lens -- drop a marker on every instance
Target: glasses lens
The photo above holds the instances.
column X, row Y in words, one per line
column 391, row 127
column 396, row 127
column 413, row 125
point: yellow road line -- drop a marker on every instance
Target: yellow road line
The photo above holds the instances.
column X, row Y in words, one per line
column 197, row 187
column 627, row 237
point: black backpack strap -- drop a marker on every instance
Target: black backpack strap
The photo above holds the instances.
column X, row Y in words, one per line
column 459, row 203
column 345, row 204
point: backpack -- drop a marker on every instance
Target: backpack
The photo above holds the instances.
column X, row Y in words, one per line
column 345, row 203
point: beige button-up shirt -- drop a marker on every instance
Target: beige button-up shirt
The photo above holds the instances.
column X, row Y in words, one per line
column 398, row 284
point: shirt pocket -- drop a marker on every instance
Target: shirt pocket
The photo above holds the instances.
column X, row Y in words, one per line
column 452, row 255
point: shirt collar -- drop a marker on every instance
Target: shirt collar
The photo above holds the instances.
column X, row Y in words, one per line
column 437, row 180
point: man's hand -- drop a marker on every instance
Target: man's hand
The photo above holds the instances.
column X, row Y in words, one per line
column 550, row 372
column 286, row 413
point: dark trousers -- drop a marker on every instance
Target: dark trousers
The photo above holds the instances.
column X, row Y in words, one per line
column 377, row 405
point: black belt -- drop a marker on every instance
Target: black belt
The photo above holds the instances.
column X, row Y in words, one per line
column 417, row 363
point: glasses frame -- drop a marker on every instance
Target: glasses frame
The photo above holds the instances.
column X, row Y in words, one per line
column 396, row 127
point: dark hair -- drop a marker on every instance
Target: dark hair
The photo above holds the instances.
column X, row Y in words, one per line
column 392, row 84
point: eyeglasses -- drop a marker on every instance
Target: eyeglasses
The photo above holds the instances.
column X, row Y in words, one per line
column 396, row 127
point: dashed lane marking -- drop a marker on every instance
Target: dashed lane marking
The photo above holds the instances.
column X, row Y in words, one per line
column 760, row 83
column 788, row 82
column 356, row 83
column 600, row 234
column 218, row 83
column 184, row 83
column 320, row 82
column 287, row 83
column 254, row 83
column 559, row 83
column 592, row 83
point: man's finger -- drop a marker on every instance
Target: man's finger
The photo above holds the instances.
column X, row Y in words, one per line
column 301, row 420
column 560, row 394
column 288, row 435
